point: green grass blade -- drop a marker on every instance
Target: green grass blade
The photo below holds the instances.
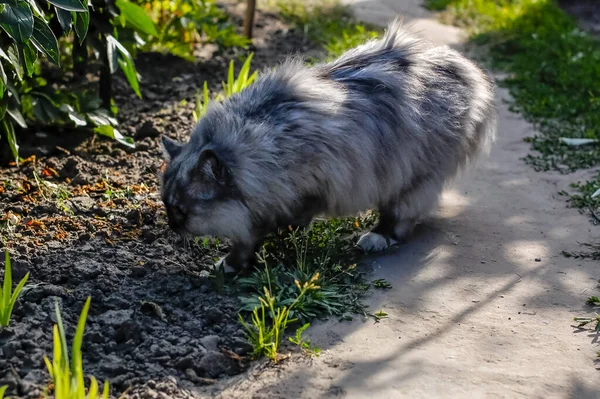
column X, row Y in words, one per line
column 252, row 78
column 16, row 293
column 206, row 99
column 93, row 392
column 62, row 337
column 106, row 390
column 2, row 390
column 230, row 80
column 6, row 290
column 243, row 75
column 76, row 361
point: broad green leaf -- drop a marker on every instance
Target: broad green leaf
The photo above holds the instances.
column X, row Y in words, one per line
column 127, row 65
column 28, row 57
column 15, row 114
column 17, row 21
column 36, row 10
column 44, row 40
column 101, row 117
column 137, row 17
column 113, row 56
column 69, row 5
column 13, row 58
column 64, row 18
column 82, row 23
column 73, row 115
column 111, row 132
column 131, row 75
column 45, row 110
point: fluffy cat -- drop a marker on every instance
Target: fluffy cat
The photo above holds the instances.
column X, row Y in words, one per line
column 385, row 126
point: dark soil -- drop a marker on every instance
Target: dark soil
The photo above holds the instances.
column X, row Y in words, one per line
column 85, row 218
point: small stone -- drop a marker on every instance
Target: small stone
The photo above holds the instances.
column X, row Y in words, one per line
column 210, row 342
column 538, row 259
column 214, row 315
column 185, row 363
column 214, row 364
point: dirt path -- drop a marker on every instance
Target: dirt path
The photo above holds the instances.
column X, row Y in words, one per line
column 482, row 300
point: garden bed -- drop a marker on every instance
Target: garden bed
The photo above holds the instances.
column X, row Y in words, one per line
column 84, row 217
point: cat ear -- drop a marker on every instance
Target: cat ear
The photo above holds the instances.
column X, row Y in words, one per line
column 211, row 167
column 171, row 148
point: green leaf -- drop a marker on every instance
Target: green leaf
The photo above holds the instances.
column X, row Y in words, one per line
column 12, row 139
column 82, row 23
column 15, row 114
column 127, row 65
column 17, row 21
column 44, row 109
column 101, row 117
column 111, row 132
column 137, row 17
column 69, row 5
column 113, row 56
column 3, row 79
column 5, row 299
column 13, row 58
column 36, row 9
column 28, row 58
column 64, row 18
column 44, row 40
column 73, row 115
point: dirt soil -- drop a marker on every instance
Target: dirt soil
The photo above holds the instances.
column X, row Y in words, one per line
column 482, row 300
column 84, row 217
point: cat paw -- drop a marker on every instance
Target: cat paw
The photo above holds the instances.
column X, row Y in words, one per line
column 373, row 242
column 222, row 264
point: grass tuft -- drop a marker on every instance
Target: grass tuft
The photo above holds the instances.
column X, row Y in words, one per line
column 68, row 380
column 8, row 298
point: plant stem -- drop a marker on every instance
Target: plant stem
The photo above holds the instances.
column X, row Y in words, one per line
column 249, row 18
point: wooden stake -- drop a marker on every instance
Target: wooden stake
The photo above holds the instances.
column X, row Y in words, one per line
column 249, row 18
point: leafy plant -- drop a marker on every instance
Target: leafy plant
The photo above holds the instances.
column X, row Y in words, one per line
column 304, row 344
column 7, row 297
column 232, row 86
column 30, row 29
column 67, row 377
column 184, row 23
column 381, row 283
column 269, row 323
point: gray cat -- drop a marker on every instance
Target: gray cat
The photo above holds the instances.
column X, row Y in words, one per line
column 385, row 126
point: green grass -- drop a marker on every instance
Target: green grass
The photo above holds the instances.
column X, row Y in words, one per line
column 8, row 298
column 232, row 86
column 68, row 379
column 327, row 24
column 553, row 71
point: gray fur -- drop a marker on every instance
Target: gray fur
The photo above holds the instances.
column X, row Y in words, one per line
column 384, row 126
